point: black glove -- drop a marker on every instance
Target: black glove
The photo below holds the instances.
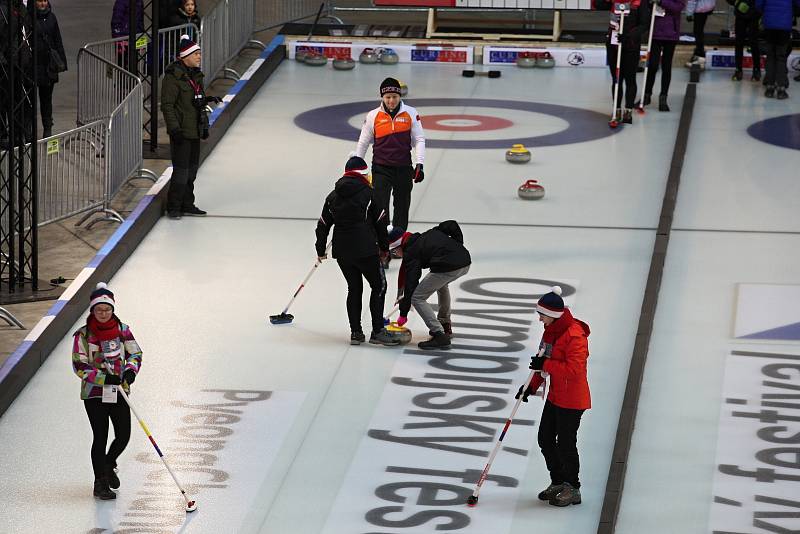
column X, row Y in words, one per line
column 176, row 136
column 689, row 18
column 537, row 363
column 129, row 376
column 621, row 37
column 528, row 392
column 419, row 174
column 113, row 380
column 204, row 136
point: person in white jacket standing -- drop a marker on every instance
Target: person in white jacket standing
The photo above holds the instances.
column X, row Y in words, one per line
column 697, row 12
column 393, row 129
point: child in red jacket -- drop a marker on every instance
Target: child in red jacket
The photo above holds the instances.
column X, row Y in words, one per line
column 563, row 352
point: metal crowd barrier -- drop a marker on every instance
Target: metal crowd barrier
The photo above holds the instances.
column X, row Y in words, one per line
column 72, row 172
column 226, row 30
column 108, row 93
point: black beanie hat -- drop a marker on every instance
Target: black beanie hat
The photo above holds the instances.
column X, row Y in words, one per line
column 390, row 85
column 356, row 164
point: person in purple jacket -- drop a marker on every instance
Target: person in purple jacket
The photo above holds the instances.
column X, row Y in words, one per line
column 666, row 33
column 777, row 22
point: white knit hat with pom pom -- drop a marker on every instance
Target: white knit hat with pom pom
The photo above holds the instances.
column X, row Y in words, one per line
column 101, row 295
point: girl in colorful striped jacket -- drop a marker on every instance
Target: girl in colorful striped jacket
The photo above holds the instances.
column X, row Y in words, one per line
column 105, row 342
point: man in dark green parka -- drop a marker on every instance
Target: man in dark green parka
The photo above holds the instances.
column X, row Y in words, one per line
column 183, row 103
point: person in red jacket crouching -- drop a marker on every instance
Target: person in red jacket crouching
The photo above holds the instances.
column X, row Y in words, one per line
column 562, row 354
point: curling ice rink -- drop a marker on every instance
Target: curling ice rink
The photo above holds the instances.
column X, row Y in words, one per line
column 289, row 430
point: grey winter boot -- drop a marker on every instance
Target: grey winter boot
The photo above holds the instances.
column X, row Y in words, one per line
column 568, row 495
column 550, row 491
column 383, row 338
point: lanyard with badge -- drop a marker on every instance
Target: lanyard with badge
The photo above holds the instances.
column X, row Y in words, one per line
column 112, row 350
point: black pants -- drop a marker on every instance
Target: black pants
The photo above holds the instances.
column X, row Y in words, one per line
column 699, row 29
column 185, row 162
column 629, row 62
column 660, row 53
column 99, row 415
column 370, row 268
column 46, row 104
column 558, row 436
column 777, row 73
column 396, row 181
column 747, row 29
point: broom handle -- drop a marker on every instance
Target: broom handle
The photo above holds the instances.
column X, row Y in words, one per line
column 305, row 280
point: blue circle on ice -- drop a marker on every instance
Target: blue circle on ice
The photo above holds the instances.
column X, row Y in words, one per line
column 584, row 125
column 783, row 131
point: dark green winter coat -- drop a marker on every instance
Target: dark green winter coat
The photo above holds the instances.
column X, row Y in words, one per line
column 177, row 100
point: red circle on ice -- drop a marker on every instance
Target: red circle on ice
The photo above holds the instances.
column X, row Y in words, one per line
column 464, row 123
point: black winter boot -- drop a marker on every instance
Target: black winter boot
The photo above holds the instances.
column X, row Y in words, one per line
column 550, row 491
column 448, row 329
column 662, row 103
column 737, row 75
column 568, row 495
column 357, row 337
column 627, row 116
column 111, row 477
column 757, row 75
column 646, row 100
column 770, row 92
column 102, row 491
column 440, row 341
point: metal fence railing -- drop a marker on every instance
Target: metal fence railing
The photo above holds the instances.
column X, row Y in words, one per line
column 72, row 172
column 108, row 93
column 226, row 30
column 271, row 13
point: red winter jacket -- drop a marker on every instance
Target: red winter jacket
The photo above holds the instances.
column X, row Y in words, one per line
column 569, row 387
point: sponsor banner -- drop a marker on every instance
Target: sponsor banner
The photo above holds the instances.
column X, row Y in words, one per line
column 565, row 57
column 767, row 312
column 219, row 442
column 757, row 475
column 439, row 418
column 405, row 53
column 492, row 4
column 724, row 59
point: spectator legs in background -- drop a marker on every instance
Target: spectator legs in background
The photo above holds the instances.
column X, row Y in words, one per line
column 776, row 77
column 46, row 109
column 699, row 29
column 185, row 161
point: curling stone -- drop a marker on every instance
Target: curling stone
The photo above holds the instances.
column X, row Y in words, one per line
column 316, row 60
column 526, row 60
column 403, row 89
column 399, row 332
column 368, row 56
column 545, row 61
column 300, row 55
column 344, row 63
column 518, row 154
column 389, row 57
column 530, row 190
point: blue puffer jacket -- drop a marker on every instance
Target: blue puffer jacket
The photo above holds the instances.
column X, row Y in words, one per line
column 777, row 14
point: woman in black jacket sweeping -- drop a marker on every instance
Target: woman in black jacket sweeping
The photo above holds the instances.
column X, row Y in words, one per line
column 47, row 68
column 360, row 240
